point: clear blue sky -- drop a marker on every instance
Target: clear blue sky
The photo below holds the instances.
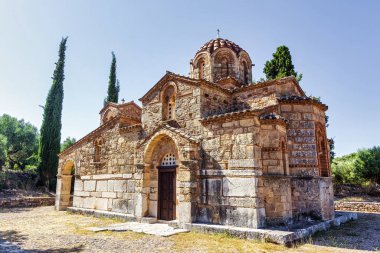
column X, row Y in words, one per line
column 335, row 44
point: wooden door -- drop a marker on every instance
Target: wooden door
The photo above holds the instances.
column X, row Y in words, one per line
column 166, row 194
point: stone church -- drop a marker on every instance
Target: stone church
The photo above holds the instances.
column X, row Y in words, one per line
column 211, row 147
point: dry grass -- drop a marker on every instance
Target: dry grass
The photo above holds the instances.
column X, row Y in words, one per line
column 44, row 230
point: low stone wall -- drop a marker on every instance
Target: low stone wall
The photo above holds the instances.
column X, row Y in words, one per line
column 27, row 202
column 373, row 207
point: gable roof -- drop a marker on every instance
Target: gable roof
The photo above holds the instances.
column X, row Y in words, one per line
column 115, row 105
column 170, row 76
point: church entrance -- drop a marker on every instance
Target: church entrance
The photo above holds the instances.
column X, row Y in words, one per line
column 167, row 188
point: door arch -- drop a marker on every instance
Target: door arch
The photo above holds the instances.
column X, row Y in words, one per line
column 166, row 208
column 65, row 186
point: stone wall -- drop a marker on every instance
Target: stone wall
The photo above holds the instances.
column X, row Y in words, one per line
column 108, row 192
column 303, row 160
column 229, row 173
column 187, row 108
column 275, row 192
column 312, row 197
column 372, row 207
column 26, row 202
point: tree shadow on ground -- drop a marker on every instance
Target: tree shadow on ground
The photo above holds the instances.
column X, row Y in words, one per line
column 11, row 241
column 361, row 234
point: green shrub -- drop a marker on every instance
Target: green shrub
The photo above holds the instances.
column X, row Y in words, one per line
column 344, row 171
column 368, row 164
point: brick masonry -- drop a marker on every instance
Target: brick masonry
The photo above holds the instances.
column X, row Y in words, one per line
column 246, row 155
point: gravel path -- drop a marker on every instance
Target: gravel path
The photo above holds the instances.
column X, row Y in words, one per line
column 42, row 229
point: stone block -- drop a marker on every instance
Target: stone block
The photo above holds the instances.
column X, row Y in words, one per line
column 81, row 193
column 184, row 211
column 120, row 205
column 239, row 187
column 153, row 208
column 110, row 185
column 111, row 195
column 77, row 202
column 286, row 108
column 127, row 176
column 247, row 122
column 89, row 202
column 78, row 185
column 101, row 186
column 96, row 194
column 89, row 185
column 101, row 204
column 131, row 186
column 120, row 186
column 244, row 217
column 102, row 176
column 228, row 124
column 184, row 175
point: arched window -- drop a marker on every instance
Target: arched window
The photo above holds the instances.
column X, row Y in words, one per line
column 284, row 162
column 323, row 155
column 98, row 150
column 202, row 69
column 168, row 105
column 245, row 73
column 225, row 71
column 169, row 160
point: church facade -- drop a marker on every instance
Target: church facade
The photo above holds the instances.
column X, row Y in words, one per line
column 212, row 147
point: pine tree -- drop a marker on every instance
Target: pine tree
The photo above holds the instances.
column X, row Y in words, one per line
column 281, row 65
column 50, row 141
column 113, row 84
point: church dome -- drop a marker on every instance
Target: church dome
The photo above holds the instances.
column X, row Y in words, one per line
column 215, row 44
column 222, row 61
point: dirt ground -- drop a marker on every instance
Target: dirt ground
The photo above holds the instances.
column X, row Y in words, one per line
column 44, row 230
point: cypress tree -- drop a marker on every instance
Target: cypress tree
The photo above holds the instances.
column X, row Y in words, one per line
column 113, row 84
column 50, row 141
column 281, row 65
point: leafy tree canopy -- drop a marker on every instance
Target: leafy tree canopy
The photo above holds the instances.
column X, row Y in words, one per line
column 281, row 65
column 18, row 142
column 67, row 143
column 368, row 164
column 357, row 168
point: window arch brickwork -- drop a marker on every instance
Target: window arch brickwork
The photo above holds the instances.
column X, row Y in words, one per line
column 322, row 151
column 168, row 103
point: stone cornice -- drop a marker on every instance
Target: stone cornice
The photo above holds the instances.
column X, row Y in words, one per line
column 170, row 76
column 230, row 116
column 180, row 132
column 91, row 135
column 269, row 83
column 301, row 101
column 111, row 104
column 273, row 122
column 127, row 129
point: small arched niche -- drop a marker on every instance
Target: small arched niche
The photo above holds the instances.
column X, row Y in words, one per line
column 168, row 103
column 201, row 69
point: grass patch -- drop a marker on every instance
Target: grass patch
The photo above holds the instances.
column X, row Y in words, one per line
column 221, row 242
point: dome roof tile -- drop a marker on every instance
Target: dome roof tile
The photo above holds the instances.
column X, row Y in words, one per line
column 214, row 44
